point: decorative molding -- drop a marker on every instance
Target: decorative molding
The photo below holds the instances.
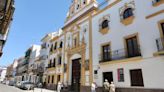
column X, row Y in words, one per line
column 154, row 14
column 130, row 19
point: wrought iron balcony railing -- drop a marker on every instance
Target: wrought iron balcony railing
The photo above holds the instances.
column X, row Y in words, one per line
column 160, row 44
column 120, row 54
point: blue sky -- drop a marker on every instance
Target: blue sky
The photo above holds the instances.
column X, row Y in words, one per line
column 33, row 19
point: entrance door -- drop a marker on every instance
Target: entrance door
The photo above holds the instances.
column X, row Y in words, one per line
column 76, row 74
column 108, row 76
column 136, row 77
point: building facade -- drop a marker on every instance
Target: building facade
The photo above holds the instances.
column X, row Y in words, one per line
column 118, row 40
column 6, row 15
column 2, row 73
column 129, row 45
column 33, row 63
column 108, row 41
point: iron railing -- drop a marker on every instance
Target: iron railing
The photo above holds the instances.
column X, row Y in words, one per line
column 120, row 54
column 160, row 44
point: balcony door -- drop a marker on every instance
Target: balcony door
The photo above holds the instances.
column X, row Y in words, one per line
column 132, row 47
column 106, row 52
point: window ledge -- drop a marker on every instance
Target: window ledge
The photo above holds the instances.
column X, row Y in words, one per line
column 128, row 20
column 159, row 53
column 104, row 31
column 134, row 59
column 158, row 3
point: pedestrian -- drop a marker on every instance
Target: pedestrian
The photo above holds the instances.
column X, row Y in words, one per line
column 93, row 87
column 59, row 86
column 106, row 86
column 112, row 87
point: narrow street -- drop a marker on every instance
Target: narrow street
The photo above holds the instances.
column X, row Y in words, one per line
column 6, row 88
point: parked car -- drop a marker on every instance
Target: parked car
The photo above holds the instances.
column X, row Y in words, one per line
column 18, row 84
column 11, row 83
column 27, row 85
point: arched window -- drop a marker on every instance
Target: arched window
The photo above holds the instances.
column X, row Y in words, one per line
column 127, row 13
column 104, row 24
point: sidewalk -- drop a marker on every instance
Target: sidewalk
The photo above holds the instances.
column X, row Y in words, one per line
column 40, row 90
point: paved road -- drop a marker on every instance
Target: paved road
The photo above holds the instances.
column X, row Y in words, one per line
column 6, row 88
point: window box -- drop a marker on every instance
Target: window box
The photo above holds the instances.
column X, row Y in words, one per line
column 104, row 31
column 128, row 20
column 157, row 2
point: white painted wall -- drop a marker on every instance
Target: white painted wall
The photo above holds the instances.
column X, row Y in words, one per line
column 147, row 30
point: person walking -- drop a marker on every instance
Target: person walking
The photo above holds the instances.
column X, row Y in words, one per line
column 93, row 87
column 112, row 87
column 59, row 86
column 106, row 86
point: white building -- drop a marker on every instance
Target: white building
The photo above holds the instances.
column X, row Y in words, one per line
column 2, row 73
column 128, row 45
column 32, row 63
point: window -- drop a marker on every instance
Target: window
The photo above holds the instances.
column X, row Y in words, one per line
column 65, row 68
column 48, row 79
column 127, row 13
column 61, row 44
column 54, row 62
column 55, row 47
column 120, row 75
column 60, row 59
column 75, row 43
column 162, row 26
column 136, row 77
column 50, row 63
column 52, row 81
column 106, row 52
column 104, row 24
column 95, row 72
column 51, row 49
column 58, row 78
column 132, row 47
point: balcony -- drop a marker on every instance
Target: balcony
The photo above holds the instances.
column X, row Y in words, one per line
column 51, row 66
column 38, row 70
column 120, row 55
column 160, row 46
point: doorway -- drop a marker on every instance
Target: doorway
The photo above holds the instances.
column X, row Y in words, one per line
column 76, row 75
column 108, row 76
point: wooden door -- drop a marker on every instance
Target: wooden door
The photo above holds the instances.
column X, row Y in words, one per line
column 136, row 77
column 76, row 75
column 132, row 47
